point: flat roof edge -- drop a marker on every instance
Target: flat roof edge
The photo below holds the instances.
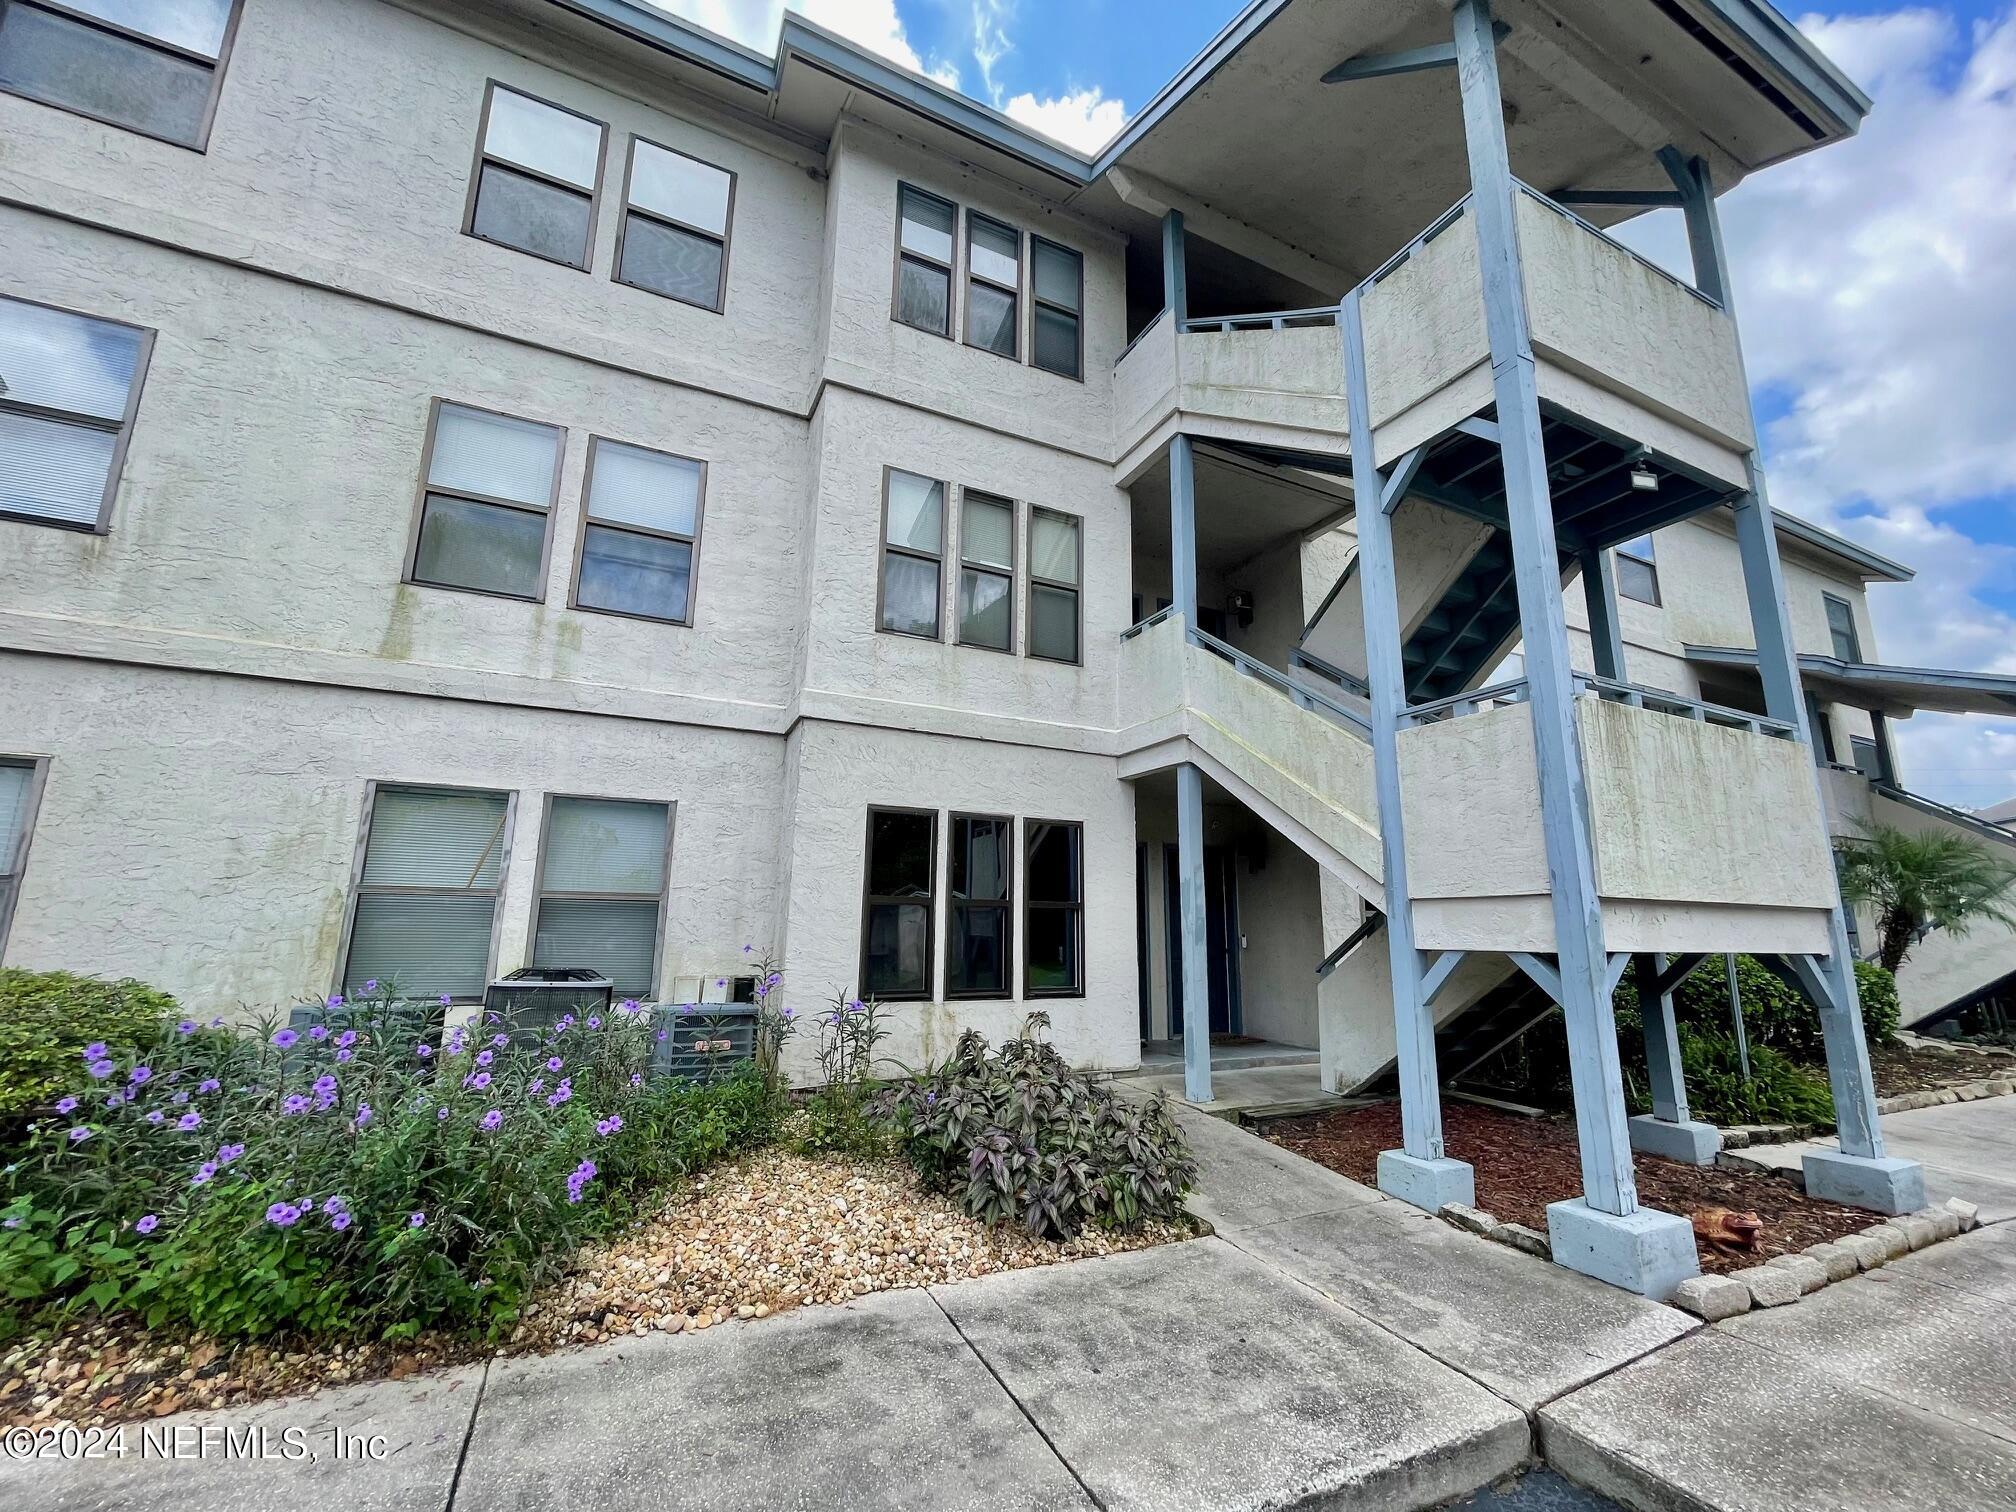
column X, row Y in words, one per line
column 1873, row 564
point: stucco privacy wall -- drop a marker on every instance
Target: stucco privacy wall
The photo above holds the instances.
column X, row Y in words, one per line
column 843, row 770
column 326, row 164
column 269, row 493
column 200, row 832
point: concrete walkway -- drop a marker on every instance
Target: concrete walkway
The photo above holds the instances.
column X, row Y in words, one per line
column 1968, row 1150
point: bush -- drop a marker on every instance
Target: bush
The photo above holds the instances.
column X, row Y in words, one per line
column 1878, row 989
column 1775, row 1016
column 350, row 1178
column 1779, row 1090
column 48, row 1017
column 1017, row 1135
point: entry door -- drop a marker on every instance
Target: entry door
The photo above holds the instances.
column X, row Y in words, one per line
column 1221, row 931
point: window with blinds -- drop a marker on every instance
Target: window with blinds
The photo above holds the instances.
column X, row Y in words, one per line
column 538, row 174
column 151, row 66
column 17, row 821
column 640, row 532
column 69, row 387
column 676, row 215
column 1058, row 274
column 1841, row 632
column 427, row 892
column 602, row 890
column 913, row 546
column 486, row 502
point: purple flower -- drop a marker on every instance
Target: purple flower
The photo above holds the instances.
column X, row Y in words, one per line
column 554, row 1063
column 484, row 1057
column 295, row 1104
column 441, row 1116
column 115, row 1100
column 209, row 1085
column 10, row 1223
column 67, row 1105
column 340, row 1221
column 204, row 1173
column 187, row 1026
column 308, row 1204
column 342, row 1056
column 217, row 1022
column 372, row 985
column 285, row 1038
column 537, row 1084
column 930, row 1099
column 283, row 1215
column 631, row 1005
column 720, row 981
column 491, row 1120
column 157, row 1117
column 189, row 1120
column 661, row 1036
column 789, row 1013
column 363, row 1115
column 746, row 949
column 445, row 1001
column 335, row 1000
column 685, row 1007
column 101, row 1069
column 416, row 1220
column 613, row 1124
column 479, row 1080
column 79, row 1134
column 323, row 1085
column 636, row 1078
column 581, row 1176
column 147, row 1225
column 319, row 1032
column 96, row 1051
column 179, row 1098
column 140, row 1074
column 857, row 1006
column 346, row 1039
column 230, row 1152
column 500, row 1040
column 423, row 1051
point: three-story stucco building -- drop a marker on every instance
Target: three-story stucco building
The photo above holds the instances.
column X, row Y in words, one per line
column 531, row 482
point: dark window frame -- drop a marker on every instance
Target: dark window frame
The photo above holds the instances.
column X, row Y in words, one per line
column 1013, row 574
column 725, row 240
column 1076, row 590
column 929, row 901
column 587, row 518
column 662, row 898
column 1649, row 561
column 1830, row 602
column 1005, row 906
column 1078, row 989
column 1014, row 292
column 952, row 270
column 883, row 548
column 409, row 575
column 1038, row 302
column 483, row 159
column 15, row 867
column 372, row 788
column 216, row 65
column 122, row 429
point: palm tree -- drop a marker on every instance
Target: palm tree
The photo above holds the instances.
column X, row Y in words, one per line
column 1918, row 881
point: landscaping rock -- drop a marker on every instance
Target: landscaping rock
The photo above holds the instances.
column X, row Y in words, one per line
column 1869, row 1251
column 1896, row 1243
column 1839, row 1263
column 1811, row 1273
column 1470, row 1219
column 1712, row 1298
column 1520, row 1237
column 1769, row 1285
column 1945, row 1225
column 1918, row 1232
column 1966, row 1212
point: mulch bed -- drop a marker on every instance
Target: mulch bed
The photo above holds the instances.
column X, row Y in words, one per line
column 1525, row 1163
column 1915, row 1068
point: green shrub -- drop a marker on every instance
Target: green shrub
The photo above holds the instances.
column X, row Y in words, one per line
column 1017, row 1135
column 1779, row 1089
column 46, row 1020
column 1878, row 990
column 349, row 1178
column 1775, row 1016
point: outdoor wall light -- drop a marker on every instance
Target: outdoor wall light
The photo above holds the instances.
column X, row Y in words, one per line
column 1643, row 479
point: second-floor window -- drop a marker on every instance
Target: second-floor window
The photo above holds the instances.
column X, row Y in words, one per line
column 913, row 545
column 986, row 571
column 69, row 388
column 1637, row 573
column 993, row 286
column 537, row 178
column 486, row 502
column 151, row 66
column 640, row 531
column 924, row 260
column 425, row 907
column 1056, row 562
column 675, row 226
column 602, row 868
column 1841, row 629
column 1058, row 276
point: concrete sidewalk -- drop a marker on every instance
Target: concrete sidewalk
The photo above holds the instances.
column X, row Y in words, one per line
column 1968, row 1150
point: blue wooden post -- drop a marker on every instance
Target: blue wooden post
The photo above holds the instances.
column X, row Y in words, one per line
column 1858, row 1174
column 1175, row 269
column 1189, row 790
column 1602, row 1233
column 1599, row 589
column 1418, row 1172
column 1669, row 1129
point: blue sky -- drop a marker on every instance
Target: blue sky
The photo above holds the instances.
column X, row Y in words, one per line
column 1876, row 282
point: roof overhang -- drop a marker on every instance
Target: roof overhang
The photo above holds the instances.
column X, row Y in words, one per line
column 1894, row 691
column 1870, row 566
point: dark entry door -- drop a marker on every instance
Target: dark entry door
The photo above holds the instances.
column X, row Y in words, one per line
column 1221, row 932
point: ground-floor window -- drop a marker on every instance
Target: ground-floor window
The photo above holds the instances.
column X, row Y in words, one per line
column 897, row 907
column 1054, row 909
column 20, row 785
column 602, row 870
column 979, row 938
column 426, row 896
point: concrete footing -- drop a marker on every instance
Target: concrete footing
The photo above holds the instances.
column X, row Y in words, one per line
column 1886, row 1185
column 1428, row 1184
column 1648, row 1252
column 1690, row 1143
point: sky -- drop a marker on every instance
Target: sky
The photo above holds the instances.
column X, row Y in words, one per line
column 1875, row 281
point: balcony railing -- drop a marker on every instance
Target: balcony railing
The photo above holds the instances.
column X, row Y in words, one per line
column 1270, row 320
column 1294, row 692
column 1588, row 684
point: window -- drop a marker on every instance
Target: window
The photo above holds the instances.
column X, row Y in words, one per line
column 20, row 788
column 979, row 941
column 986, row 571
column 426, row 898
column 1637, row 576
column 1054, row 566
column 1053, row 906
column 602, row 873
column 913, row 541
column 538, row 177
column 1868, row 757
column 924, row 260
column 69, row 387
column 1059, row 278
column 640, row 531
column 1841, row 627
column 486, row 502
column 896, row 915
column 993, row 285
column 151, row 66
column 674, row 239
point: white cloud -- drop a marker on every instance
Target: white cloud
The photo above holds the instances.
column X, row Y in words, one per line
column 1082, row 118
column 1874, row 283
column 872, row 23
column 990, row 40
